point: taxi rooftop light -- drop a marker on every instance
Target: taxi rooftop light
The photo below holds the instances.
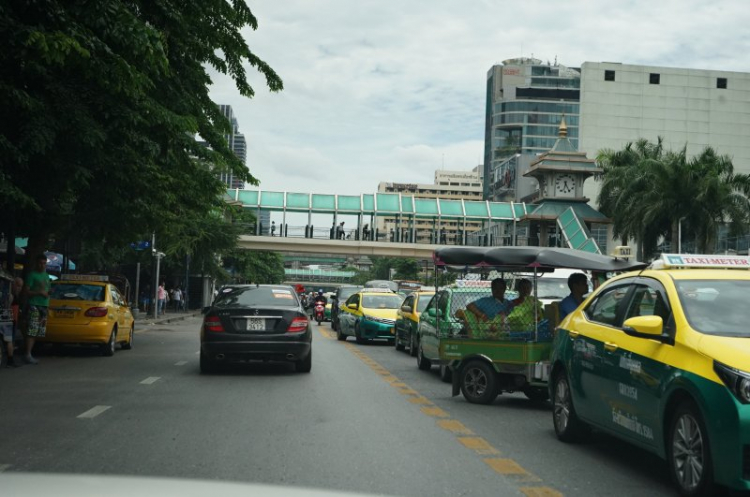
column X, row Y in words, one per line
column 622, row 252
column 676, row 261
column 84, row 277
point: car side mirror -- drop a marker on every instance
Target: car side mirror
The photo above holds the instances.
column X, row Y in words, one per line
column 405, row 308
column 433, row 313
column 205, row 309
column 352, row 306
column 644, row 327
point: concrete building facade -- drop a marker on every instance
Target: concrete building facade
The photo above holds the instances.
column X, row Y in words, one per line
column 237, row 144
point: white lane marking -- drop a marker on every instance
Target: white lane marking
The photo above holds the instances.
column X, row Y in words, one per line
column 3, row 467
column 181, row 363
column 150, row 380
column 93, row 412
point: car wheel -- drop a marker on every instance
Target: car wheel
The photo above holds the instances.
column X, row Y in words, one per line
column 339, row 335
column 412, row 346
column 334, row 326
column 688, row 449
column 129, row 344
column 108, row 349
column 568, row 427
column 356, row 334
column 478, row 382
column 305, row 365
column 446, row 375
column 399, row 345
column 422, row 362
column 207, row 365
column 536, row 394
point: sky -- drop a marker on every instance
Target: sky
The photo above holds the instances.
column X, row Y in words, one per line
column 392, row 91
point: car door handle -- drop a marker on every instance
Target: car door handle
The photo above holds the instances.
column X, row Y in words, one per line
column 573, row 334
column 611, row 347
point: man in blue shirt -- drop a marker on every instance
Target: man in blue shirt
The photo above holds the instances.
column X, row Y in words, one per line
column 490, row 306
column 579, row 286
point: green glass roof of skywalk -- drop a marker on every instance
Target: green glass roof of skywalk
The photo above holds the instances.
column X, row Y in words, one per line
column 381, row 204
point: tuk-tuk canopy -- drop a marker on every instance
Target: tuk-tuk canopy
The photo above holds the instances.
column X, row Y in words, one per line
column 514, row 258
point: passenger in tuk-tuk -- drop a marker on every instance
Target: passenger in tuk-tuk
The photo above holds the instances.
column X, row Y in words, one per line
column 527, row 310
column 487, row 315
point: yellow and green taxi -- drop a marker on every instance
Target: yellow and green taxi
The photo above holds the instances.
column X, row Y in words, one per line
column 661, row 359
column 369, row 314
column 327, row 312
column 407, row 320
column 88, row 309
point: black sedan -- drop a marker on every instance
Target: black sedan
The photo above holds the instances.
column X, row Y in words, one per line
column 256, row 323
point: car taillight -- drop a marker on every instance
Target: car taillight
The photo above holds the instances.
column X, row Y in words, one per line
column 298, row 325
column 213, row 323
column 96, row 312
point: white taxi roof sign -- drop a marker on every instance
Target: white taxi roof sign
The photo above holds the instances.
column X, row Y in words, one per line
column 84, row 277
column 705, row 261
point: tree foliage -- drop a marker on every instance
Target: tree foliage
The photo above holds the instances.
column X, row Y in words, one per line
column 648, row 192
column 106, row 99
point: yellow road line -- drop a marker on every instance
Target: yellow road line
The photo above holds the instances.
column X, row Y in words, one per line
column 505, row 466
column 479, row 445
column 435, row 412
column 540, row 492
column 454, row 426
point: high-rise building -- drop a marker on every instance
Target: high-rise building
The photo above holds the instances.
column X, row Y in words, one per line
column 452, row 185
column 526, row 99
column 237, row 144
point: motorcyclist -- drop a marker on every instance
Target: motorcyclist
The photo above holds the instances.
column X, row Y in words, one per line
column 320, row 298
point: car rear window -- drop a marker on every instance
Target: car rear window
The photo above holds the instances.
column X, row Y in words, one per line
column 77, row 291
column 258, row 296
column 381, row 301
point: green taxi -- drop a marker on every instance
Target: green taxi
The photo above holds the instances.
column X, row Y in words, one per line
column 661, row 359
column 407, row 320
column 369, row 314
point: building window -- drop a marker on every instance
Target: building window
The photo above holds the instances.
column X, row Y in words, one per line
column 721, row 83
column 609, row 75
column 653, row 78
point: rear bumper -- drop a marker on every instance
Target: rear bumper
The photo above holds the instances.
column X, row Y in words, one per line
column 256, row 350
column 93, row 332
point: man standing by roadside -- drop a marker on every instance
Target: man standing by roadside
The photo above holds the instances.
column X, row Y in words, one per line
column 177, row 297
column 36, row 290
column 162, row 295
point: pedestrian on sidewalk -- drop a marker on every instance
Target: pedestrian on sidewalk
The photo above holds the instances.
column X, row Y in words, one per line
column 161, row 293
column 177, row 297
column 273, row 228
column 36, row 291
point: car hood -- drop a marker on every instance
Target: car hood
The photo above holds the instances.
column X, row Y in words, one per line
column 732, row 351
column 381, row 313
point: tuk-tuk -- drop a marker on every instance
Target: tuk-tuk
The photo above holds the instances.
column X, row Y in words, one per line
column 509, row 351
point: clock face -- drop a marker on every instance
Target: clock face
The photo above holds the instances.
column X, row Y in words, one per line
column 565, row 184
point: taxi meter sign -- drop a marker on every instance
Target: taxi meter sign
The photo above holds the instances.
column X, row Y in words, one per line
column 706, row 261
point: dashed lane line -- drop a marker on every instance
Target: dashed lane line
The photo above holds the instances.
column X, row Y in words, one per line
column 150, row 380
column 93, row 412
column 506, row 467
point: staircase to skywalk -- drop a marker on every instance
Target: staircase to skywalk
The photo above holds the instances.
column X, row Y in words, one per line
column 576, row 234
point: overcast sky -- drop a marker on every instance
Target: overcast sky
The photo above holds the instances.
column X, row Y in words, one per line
column 391, row 91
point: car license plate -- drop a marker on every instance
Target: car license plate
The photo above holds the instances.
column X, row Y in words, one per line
column 65, row 313
column 256, row 324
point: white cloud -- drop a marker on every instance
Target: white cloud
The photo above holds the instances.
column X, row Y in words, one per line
column 389, row 91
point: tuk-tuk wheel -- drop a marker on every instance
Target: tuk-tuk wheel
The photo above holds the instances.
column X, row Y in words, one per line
column 478, row 382
column 446, row 375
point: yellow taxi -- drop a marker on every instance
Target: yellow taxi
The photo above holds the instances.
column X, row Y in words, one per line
column 89, row 309
column 661, row 359
column 407, row 320
column 369, row 314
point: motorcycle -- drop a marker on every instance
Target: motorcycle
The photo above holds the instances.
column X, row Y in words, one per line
column 319, row 312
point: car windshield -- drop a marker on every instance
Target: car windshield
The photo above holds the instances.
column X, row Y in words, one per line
column 258, row 296
column 345, row 293
column 77, row 291
column 381, row 301
column 715, row 307
column 423, row 301
column 552, row 288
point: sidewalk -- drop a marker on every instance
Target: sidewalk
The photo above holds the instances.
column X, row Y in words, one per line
column 171, row 317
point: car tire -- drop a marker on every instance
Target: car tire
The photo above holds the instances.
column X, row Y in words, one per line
column 305, row 365
column 359, row 339
column 446, row 375
column 334, row 326
column 478, row 382
column 399, row 345
column 688, row 451
column 207, row 365
column 108, row 349
column 339, row 335
column 412, row 346
column 568, row 426
column 422, row 362
column 129, row 344
column 536, row 394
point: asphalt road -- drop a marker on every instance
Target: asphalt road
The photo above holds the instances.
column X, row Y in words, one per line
column 364, row 420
